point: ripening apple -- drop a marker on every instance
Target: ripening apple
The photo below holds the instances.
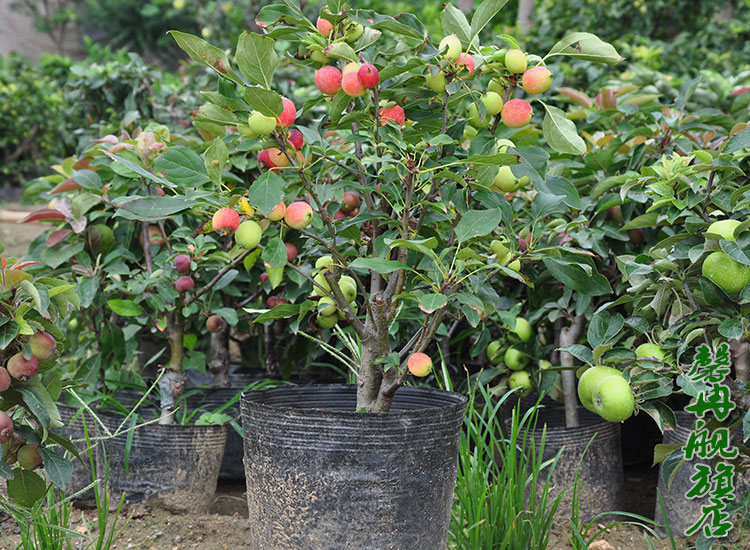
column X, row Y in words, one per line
column 419, row 364
column 6, row 427
column 613, row 399
column 28, row 457
column 328, row 80
column 5, row 379
column 516, row 113
column 21, row 368
column 466, row 65
column 514, row 359
column 298, row 215
column 214, row 323
column 589, row 379
column 537, row 80
column 521, row 379
column 324, row 26
column 369, row 76
column 181, row 263
column 184, row 283
column 43, row 345
column 225, row 220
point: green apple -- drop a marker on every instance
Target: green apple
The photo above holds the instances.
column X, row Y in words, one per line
column 613, row 399
column 261, row 124
column 514, row 359
column 326, row 306
column 544, row 365
column 493, row 352
column 493, row 103
column 649, row 350
column 474, row 118
column 521, row 331
column 503, row 144
column 588, row 381
column 499, row 248
column 497, row 86
column 521, row 379
column 726, row 272
column 453, row 45
column 436, row 83
column 505, row 180
column 320, row 281
column 248, row 234
column 724, row 228
column 327, row 321
column 323, row 262
column 348, row 287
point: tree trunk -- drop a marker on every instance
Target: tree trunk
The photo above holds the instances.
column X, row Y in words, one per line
column 219, row 363
column 525, row 10
column 172, row 384
column 568, row 337
column 741, row 363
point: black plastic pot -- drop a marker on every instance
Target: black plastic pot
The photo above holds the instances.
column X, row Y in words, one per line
column 682, row 513
column 174, row 466
column 72, row 419
column 601, row 480
column 319, row 475
column 210, row 400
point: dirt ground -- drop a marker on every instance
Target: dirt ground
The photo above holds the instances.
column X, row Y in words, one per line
column 14, row 236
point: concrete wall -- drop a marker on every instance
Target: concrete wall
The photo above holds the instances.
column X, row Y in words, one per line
column 17, row 34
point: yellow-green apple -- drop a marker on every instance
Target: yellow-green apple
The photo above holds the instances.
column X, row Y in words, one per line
column 514, row 359
column 326, row 321
column 494, row 351
column 248, row 235
column 493, row 103
column 261, row 124
column 521, row 379
column 521, row 331
column 724, row 228
column 515, row 61
column 726, row 272
column 648, row 351
column 452, row 45
column 436, row 82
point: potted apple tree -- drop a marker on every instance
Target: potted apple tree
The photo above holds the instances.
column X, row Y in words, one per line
column 394, row 189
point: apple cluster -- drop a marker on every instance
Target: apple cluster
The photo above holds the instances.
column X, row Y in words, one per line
column 604, row 391
column 509, row 353
column 20, row 368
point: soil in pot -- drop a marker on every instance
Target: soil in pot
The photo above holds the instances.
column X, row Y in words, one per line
column 176, row 466
column 319, row 475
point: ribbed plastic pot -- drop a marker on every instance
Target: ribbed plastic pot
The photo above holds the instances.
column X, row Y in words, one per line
column 682, row 513
column 320, row 475
column 210, row 400
column 601, row 480
column 72, row 419
column 174, row 466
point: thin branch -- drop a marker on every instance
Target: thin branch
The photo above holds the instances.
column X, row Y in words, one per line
column 216, row 279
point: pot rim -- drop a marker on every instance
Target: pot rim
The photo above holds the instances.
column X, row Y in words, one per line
column 445, row 400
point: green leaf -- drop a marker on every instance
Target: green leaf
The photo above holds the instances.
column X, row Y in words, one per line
column 746, row 427
column 741, row 140
column 266, row 191
column 5, row 470
column 477, row 223
column 59, row 469
column 485, row 13
column 644, row 220
column 279, row 312
column 216, row 115
column 35, row 404
column 580, row 352
column 431, row 302
column 670, row 465
column 662, row 451
column 583, row 45
column 125, row 308
column 256, row 58
column 216, row 157
column 26, row 487
column 731, row 329
column 498, row 159
column 561, row 133
column 274, row 253
column 182, row 166
column 228, row 314
column 454, row 22
column 138, row 169
column 56, row 256
column 154, row 208
column 603, row 327
column 380, row 265
column 88, row 179
column 661, row 413
column 575, row 277
column 8, row 331
column 201, row 51
column 341, row 50
column 691, row 387
column 266, row 102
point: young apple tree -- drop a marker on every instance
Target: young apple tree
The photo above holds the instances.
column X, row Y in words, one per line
column 396, row 181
